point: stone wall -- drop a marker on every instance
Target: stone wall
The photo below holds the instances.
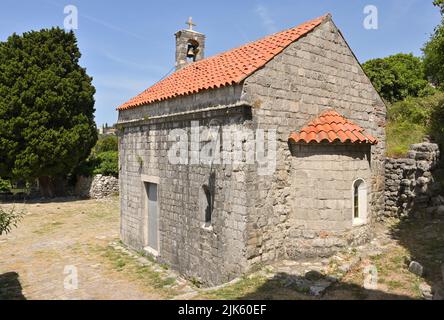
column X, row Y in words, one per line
column 321, row 218
column 253, row 214
column 410, row 184
column 317, row 72
column 210, row 255
column 103, row 186
column 96, row 187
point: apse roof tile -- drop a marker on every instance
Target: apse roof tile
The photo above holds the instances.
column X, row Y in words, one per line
column 330, row 127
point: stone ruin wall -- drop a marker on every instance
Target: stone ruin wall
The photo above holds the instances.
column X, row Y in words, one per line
column 96, row 187
column 410, row 186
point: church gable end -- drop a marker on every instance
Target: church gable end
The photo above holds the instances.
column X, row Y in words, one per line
column 313, row 74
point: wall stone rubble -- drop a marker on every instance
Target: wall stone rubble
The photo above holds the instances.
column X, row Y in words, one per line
column 96, row 187
column 410, row 184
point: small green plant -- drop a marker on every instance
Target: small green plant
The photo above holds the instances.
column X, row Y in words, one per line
column 140, row 161
column 164, row 266
column 120, row 263
column 5, row 185
column 196, row 282
column 9, row 219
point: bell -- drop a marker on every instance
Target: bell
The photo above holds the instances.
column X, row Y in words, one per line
column 190, row 53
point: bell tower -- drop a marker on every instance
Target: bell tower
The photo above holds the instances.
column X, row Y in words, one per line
column 190, row 46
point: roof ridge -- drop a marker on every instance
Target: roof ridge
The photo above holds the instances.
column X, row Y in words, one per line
column 237, row 64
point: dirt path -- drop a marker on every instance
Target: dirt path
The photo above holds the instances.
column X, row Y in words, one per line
column 56, row 240
column 39, row 259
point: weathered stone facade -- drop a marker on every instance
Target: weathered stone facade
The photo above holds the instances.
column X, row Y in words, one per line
column 409, row 181
column 317, row 72
column 320, row 220
column 303, row 209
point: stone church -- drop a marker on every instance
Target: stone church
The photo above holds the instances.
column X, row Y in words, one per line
column 323, row 127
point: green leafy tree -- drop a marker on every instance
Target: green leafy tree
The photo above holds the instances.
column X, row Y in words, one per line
column 398, row 77
column 104, row 158
column 434, row 52
column 440, row 4
column 46, row 107
column 108, row 163
column 106, row 143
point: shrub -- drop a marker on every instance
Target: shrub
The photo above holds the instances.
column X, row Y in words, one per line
column 413, row 110
column 437, row 121
column 5, row 185
column 410, row 120
column 400, row 135
column 103, row 159
column 108, row 163
column 9, row 219
column 106, row 143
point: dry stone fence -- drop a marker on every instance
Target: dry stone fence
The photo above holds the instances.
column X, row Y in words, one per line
column 410, row 185
column 97, row 187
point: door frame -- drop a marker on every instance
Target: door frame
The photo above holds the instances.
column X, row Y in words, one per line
column 145, row 213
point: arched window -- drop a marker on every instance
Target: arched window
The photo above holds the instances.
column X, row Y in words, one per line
column 359, row 202
column 209, row 205
column 207, row 196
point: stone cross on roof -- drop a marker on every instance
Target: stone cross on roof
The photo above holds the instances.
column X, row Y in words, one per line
column 190, row 23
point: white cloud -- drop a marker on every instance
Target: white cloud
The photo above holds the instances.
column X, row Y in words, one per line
column 268, row 22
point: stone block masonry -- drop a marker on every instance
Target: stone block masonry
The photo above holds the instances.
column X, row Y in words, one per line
column 410, row 184
column 211, row 255
column 291, row 212
column 303, row 208
column 96, row 187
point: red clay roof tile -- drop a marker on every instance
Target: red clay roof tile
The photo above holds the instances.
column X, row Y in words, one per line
column 225, row 69
column 330, row 126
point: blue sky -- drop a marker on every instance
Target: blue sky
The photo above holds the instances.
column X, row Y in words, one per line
column 129, row 45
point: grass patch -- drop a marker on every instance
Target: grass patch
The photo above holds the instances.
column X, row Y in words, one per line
column 393, row 274
column 246, row 285
column 400, row 135
column 411, row 119
column 144, row 274
column 257, row 287
column 394, row 285
column 48, row 228
column 104, row 210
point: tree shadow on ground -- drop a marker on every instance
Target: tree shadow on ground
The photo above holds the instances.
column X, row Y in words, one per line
column 423, row 237
column 287, row 286
column 40, row 200
column 10, row 287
